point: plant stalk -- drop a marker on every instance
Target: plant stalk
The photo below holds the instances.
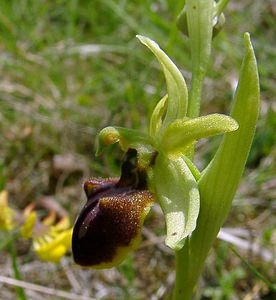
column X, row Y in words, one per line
column 200, row 27
column 195, row 95
column 19, row 290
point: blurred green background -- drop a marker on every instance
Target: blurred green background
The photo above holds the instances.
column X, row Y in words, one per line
column 70, row 68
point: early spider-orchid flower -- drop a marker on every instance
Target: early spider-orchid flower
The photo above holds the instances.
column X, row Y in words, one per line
column 110, row 224
column 195, row 204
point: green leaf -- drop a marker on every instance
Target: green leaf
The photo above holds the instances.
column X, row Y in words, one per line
column 177, row 89
column 177, row 192
column 220, row 180
column 181, row 134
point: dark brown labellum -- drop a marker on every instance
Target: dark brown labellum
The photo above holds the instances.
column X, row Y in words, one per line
column 109, row 225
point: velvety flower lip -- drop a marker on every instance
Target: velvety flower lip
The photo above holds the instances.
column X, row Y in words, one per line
column 110, row 223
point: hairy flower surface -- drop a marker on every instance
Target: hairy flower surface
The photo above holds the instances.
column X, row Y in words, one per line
column 110, row 224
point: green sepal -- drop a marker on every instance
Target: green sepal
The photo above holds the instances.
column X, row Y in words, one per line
column 176, row 85
column 182, row 133
column 177, row 192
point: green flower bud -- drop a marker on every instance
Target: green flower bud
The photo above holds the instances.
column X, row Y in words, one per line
column 218, row 20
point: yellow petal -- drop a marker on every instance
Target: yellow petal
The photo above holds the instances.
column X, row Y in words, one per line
column 7, row 214
column 53, row 248
column 26, row 229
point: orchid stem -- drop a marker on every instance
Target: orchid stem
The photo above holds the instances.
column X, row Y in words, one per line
column 195, row 96
column 200, row 26
column 182, row 290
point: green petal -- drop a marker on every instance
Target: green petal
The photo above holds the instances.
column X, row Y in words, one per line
column 177, row 89
column 177, row 192
column 181, row 134
column 156, row 117
column 127, row 138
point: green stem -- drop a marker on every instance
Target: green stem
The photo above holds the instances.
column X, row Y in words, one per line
column 200, row 27
column 19, row 291
column 194, row 103
column 182, row 291
column 187, row 271
column 195, row 95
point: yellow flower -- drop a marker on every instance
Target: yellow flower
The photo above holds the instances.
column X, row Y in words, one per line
column 7, row 215
column 51, row 236
column 53, row 245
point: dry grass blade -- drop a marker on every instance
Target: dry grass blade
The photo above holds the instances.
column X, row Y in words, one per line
column 43, row 289
column 244, row 244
